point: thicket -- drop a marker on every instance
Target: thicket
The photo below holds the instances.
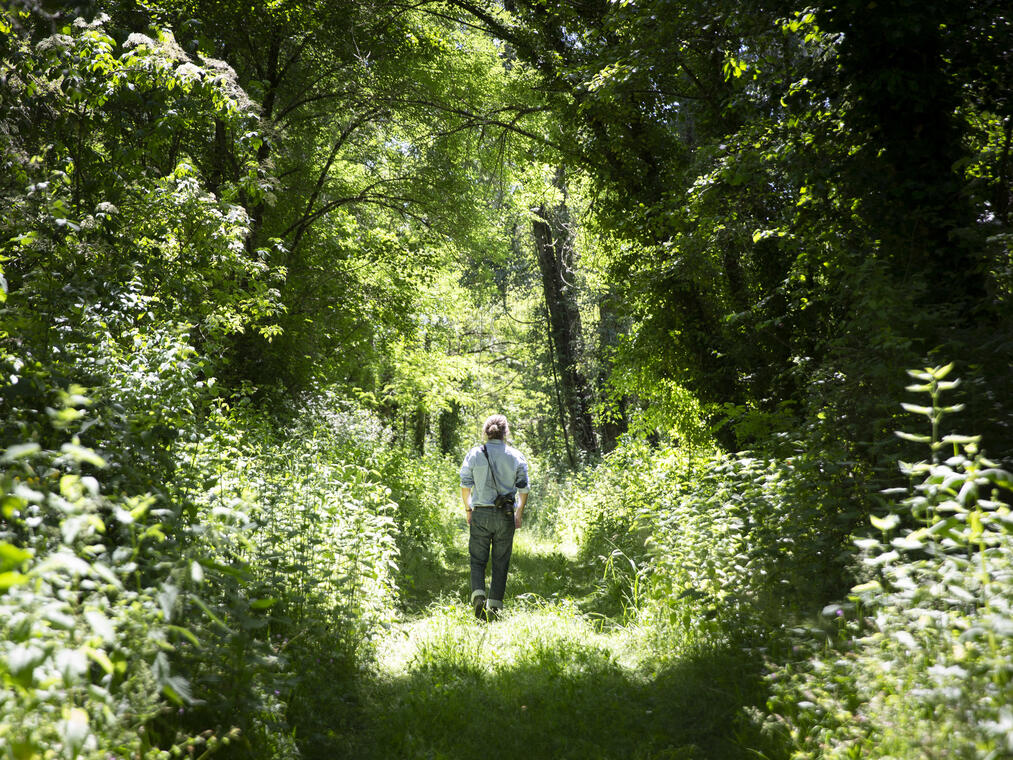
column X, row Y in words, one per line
column 917, row 660
column 187, row 564
column 755, row 554
column 136, row 623
column 88, row 610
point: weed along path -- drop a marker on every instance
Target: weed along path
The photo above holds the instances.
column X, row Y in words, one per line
column 552, row 678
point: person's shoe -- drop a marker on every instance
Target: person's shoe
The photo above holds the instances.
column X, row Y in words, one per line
column 478, row 602
column 492, row 613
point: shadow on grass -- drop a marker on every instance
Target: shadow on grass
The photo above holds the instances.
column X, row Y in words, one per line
column 549, row 573
column 573, row 703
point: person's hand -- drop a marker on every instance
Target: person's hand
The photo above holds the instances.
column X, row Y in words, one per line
column 467, row 516
column 517, row 520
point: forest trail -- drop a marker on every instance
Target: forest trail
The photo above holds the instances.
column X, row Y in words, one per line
column 552, row 678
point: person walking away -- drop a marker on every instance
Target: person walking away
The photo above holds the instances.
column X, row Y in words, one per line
column 494, row 489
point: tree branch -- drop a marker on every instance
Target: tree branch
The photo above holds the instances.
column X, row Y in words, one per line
column 322, row 179
column 484, row 119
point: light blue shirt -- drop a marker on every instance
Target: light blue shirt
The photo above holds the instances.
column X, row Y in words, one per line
column 509, row 466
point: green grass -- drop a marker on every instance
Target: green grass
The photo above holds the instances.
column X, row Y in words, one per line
column 543, row 683
column 554, row 677
column 540, row 567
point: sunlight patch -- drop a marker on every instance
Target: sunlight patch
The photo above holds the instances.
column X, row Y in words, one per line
column 532, row 632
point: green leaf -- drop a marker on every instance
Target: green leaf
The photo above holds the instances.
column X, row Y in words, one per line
column 19, row 451
column 884, row 524
column 185, row 633
column 100, row 657
column 11, row 556
column 10, row 579
column 210, row 613
column 962, row 439
column 75, row 730
column 142, row 508
column 101, row 624
column 263, row 604
column 926, row 410
column 865, row 588
column 177, row 690
column 907, row 544
column 83, row 455
column 155, row 531
column 998, row 477
column 968, row 494
column 912, row 437
column 940, row 372
column 11, row 504
column 951, row 528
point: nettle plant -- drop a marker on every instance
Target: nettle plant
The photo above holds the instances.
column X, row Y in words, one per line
column 925, row 666
column 87, row 610
column 297, row 542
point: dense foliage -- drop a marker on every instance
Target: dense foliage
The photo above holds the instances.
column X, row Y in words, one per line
column 265, row 266
column 920, row 662
column 740, row 550
column 87, row 618
column 800, row 202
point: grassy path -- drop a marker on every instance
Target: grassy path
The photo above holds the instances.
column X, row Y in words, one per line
column 552, row 678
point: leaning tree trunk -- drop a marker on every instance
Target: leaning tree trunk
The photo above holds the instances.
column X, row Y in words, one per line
column 554, row 249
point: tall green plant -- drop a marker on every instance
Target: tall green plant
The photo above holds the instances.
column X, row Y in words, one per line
column 87, row 608
column 297, row 538
column 920, row 666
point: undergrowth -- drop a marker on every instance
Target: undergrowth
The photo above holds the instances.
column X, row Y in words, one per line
column 87, row 611
column 303, row 571
column 227, row 612
column 748, row 551
column 920, row 663
column 661, row 605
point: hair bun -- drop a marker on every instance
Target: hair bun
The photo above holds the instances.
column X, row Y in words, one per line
column 496, row 426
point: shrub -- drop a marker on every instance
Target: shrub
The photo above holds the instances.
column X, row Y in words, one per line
column 921, row 662
column 298, row 569
column 743, row 543
column 87, row 609
column 717, row 545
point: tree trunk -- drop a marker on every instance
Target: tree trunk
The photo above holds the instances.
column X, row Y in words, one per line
column 613, row 422
column 562, row 407
column 449, row 424
column 420, row 430
column 554, row 249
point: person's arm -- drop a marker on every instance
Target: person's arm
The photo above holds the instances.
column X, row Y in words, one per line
column 521, row 482
column 467, row 483
column 522, row 499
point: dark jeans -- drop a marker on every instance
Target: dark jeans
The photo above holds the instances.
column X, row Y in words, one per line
column 491, row 529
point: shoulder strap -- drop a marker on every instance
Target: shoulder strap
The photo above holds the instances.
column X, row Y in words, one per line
column 491, row 471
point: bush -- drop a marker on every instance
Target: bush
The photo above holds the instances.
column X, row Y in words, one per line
column 299, row 541
column 920, row 665
column 743, row 543
column 87, row 609
column 604, row 516
column 716, row 545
